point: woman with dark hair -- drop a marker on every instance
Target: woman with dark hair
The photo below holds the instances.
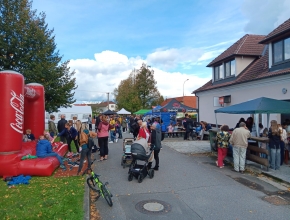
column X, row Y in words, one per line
column 249, row 123
column 223, row 138
column 238, row 124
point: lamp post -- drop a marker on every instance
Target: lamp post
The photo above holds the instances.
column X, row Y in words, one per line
column 183, row 86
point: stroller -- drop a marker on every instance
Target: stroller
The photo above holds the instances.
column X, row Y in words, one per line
column 127, row 156
column 138, row 150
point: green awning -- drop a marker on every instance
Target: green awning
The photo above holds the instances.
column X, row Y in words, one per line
column 142, row 111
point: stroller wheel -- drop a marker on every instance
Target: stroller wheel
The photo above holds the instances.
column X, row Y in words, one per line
column 151, row 173
column 130, row 177
column 122, row 162
column 140, row 178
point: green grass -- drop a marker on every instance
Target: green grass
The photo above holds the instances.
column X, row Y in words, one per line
column 43, row 198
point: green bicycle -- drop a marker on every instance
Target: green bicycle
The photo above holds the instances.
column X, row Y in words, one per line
column 93, row 181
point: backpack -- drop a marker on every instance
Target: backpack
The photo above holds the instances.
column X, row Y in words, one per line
column 91, row 143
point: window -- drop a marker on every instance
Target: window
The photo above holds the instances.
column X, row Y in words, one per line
column 112, row 106
column 281, row 50
column 221, row 67
column 216, row 73
column 287, row 48
column 230, row 68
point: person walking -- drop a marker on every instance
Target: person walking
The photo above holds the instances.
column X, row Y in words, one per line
column 223, row 138
column 239, row 141
column 61, row 127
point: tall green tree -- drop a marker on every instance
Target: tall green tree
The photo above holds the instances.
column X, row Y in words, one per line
column 28, row 47
column 138, row 90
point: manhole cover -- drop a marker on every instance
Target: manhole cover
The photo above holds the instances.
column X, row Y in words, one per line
column 276, row 200
column 153, row 207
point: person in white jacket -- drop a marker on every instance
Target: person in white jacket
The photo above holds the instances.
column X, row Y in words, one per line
column 239, row 141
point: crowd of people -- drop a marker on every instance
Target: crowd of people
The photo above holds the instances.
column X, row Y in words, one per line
column 278, row 136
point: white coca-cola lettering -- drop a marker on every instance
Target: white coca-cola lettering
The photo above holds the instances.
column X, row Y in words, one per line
column 17, row 103
column 29, row 92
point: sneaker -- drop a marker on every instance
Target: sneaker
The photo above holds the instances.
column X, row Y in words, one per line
column 75, row 164
column 110, row 142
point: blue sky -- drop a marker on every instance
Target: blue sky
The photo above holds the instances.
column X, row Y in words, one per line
column 105, row 40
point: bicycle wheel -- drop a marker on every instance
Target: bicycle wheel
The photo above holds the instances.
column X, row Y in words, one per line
column 91, row 183
column 107, row 195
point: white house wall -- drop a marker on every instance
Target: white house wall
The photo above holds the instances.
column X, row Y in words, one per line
column 242, row 63
column 271, row 88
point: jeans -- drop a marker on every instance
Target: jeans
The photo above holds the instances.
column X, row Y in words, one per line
column 69, row 140
column 275, row 159
column 103, row 144
column 156, row 158
column 59, row 158
column 112, row 135
column 239, row 155
column 282, row 152
column 85, row 153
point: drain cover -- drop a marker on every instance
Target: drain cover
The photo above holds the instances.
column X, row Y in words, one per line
column 276, row 200
column 153, row 207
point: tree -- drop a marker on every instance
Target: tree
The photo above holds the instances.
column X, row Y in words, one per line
column 28, row 47
column 138, row 90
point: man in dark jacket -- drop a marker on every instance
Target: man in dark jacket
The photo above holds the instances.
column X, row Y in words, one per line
column 60, row 127
column 188, row 126
column 156, row 145
column 71, row 135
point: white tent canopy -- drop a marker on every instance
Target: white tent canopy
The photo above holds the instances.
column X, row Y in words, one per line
column 123, row 112
column 81, row 112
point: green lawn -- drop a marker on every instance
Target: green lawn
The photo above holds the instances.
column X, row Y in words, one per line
column 43, row 198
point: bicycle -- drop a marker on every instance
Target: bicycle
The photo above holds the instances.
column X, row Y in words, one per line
column 93, row 181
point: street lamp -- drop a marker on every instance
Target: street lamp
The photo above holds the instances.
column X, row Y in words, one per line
column 183, row 86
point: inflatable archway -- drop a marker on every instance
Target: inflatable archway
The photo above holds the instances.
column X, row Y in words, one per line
column 22, row 108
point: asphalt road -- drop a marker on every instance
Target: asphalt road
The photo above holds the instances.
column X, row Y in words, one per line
column 188, row 187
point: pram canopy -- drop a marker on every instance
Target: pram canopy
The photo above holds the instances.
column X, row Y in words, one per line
column 140, row 150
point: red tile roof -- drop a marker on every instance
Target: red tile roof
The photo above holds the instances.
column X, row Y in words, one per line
column 280, row 30
column 186, row 100
column 102, row 104
column 246, row 46
column 258, row 69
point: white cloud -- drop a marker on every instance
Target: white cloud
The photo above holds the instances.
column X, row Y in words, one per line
column 171, row 58
column 265, row 15
column 97, row 77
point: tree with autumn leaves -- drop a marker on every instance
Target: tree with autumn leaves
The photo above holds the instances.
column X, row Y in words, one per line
column 28, row 47
column 138, row 91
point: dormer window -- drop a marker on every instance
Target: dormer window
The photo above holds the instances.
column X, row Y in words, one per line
column 230, row 68
column 281, row 51
column 225, row 70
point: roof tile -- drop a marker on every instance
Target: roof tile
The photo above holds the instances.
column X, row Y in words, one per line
column 281, row 29
column 247, row 45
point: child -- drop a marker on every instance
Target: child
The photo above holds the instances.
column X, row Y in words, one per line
column 30, row 137
column 48, row 137
column 170, row 130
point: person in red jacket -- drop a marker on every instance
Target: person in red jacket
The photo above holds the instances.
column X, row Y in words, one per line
column 143, row 132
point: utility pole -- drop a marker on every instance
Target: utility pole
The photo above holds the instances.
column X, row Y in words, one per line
column 108, row 100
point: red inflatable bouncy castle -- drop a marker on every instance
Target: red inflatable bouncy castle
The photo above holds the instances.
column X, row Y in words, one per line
column 22, row 108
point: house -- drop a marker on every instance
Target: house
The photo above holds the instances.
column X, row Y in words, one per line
column 186, row 100
column 254, row 66
column 104, row 106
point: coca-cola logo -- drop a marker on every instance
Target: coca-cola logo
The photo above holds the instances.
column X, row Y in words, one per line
column 17, row 103
column 176, row 105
